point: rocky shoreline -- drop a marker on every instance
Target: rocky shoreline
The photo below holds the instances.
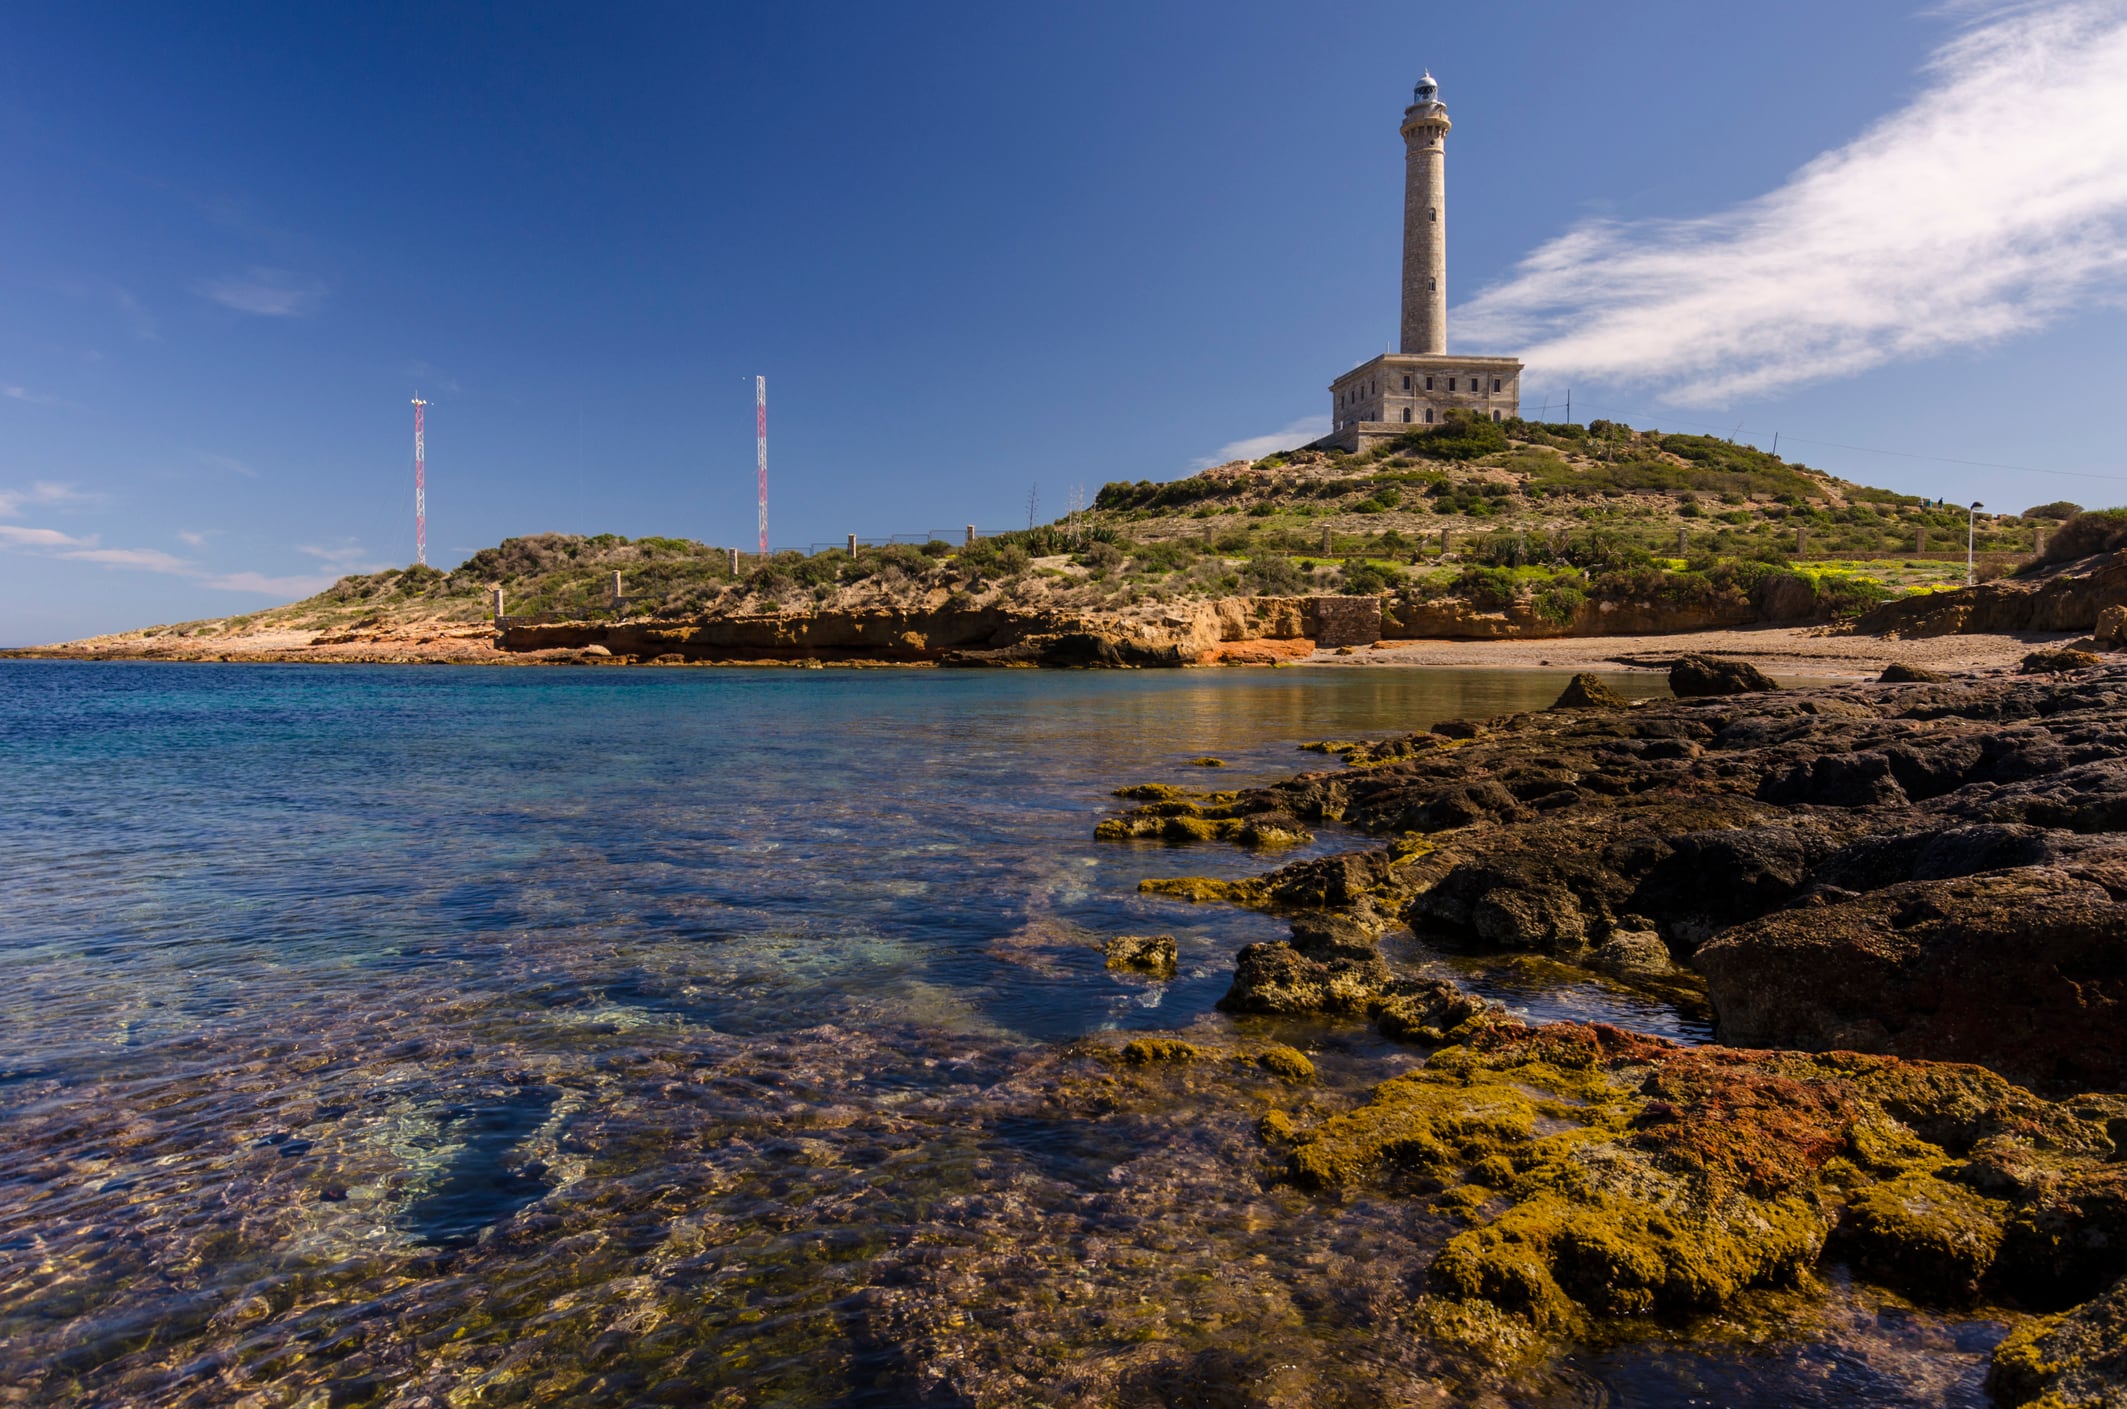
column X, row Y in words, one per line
column 1907, row 907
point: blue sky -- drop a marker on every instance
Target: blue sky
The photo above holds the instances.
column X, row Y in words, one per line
column 977, row 249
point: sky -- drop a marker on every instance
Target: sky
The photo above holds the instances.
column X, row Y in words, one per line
column 988, row 256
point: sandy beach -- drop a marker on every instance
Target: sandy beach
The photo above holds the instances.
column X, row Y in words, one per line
column 1806, row 652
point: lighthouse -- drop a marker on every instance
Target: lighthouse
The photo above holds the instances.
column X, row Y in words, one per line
column 1417, row 385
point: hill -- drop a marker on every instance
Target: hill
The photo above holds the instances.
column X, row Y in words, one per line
column 1467, row 529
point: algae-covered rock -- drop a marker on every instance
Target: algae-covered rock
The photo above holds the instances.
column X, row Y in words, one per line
column 1288, row 1062
column 1636, row 1177
column 1146, row 1051
column 1432, row 1010
column 1585, row 691
column 2072, row 1361
column 1147, row 953
column 1696, row 676
column 1274, row 977
column 1256, row 824
column 1923, row 1234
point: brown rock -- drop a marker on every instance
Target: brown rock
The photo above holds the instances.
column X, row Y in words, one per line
column 1899, row 673
column 1148, row 953
column 2055, row 662
column 1696, row 676
column 1585, row 691
column 2023, row 970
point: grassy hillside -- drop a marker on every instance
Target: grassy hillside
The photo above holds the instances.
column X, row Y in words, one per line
column 1547, row 514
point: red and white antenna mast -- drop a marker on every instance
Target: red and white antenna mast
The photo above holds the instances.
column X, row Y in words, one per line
column 760, row 451
column 420, row 486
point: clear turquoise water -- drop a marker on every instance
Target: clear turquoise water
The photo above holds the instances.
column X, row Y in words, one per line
column 588, row 1035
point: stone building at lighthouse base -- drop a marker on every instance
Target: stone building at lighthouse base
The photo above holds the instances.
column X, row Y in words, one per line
column 1400, row 392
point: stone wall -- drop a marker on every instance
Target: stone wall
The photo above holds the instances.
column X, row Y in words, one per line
column 1345, row 621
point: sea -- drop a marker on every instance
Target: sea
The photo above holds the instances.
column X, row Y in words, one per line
column 440, row 1035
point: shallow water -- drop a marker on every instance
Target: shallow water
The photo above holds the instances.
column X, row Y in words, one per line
column 409, row 1035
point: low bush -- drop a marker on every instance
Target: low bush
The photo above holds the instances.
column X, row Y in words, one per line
column 2091, row 531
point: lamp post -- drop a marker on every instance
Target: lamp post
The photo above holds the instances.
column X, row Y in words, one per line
column 1971, row 518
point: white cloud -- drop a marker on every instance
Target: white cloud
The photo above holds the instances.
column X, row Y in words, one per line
column 284, row 588
column 343, row 557
column 23, row 393
column 191, row 539
column 43, row 492
column 1993, row 203
column 270, row 293
column 153, row 559
column 25, row 537
column 1255, row 447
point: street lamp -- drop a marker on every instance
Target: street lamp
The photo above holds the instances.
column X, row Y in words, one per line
column 1971, row 518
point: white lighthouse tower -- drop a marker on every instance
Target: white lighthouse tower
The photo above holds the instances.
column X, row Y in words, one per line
column 1417, row 385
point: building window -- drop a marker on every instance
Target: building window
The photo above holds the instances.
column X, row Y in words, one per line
column 1429, row 415
column 1428, row 383
column 1431, row 284
column 1495, row 384
column 1495, row 415
column 1473, row 384
column 1406, row 414
column 1432, row 214
column 1406, row 382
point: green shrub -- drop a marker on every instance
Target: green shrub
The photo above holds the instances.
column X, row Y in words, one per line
column 1489, row 588
column 2058, row 509
column 1273, row 577
column 1365, row 579
column 1460, row 436
column 2092, row 531
column 1556, row 601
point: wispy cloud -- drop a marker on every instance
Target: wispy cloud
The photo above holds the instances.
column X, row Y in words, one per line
column 269, row 293
column 348, row 557
column 21, row 535
column 282, row 587
column 153, row 559
column 1255, row 447
column 191, row 539
column 23, row 393
column 44, row 493
column 1992, row 204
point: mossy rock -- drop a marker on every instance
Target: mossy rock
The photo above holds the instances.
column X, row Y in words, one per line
column 1146, row 1051
column 1923, row 1235
column 1288, row 1062
column 1145, row 953
column 1899, row 673
column 1204, row 890
column 2073, row 1361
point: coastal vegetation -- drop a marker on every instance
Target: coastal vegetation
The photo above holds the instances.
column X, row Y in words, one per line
column 1537, row 519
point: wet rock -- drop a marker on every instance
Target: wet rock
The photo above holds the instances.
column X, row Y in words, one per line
column 1899, row 673
column 1585, row 691
column 1144, row 1051
column 1288, row 1062
column 1695, row 676
column 1145, row 953
column 1641, row 1178
column 1433, row 1011
column 2076, row 1359
column 2024, row 970
column 1274, row 977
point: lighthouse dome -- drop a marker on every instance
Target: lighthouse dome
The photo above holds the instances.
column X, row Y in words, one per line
column 1427, row 91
